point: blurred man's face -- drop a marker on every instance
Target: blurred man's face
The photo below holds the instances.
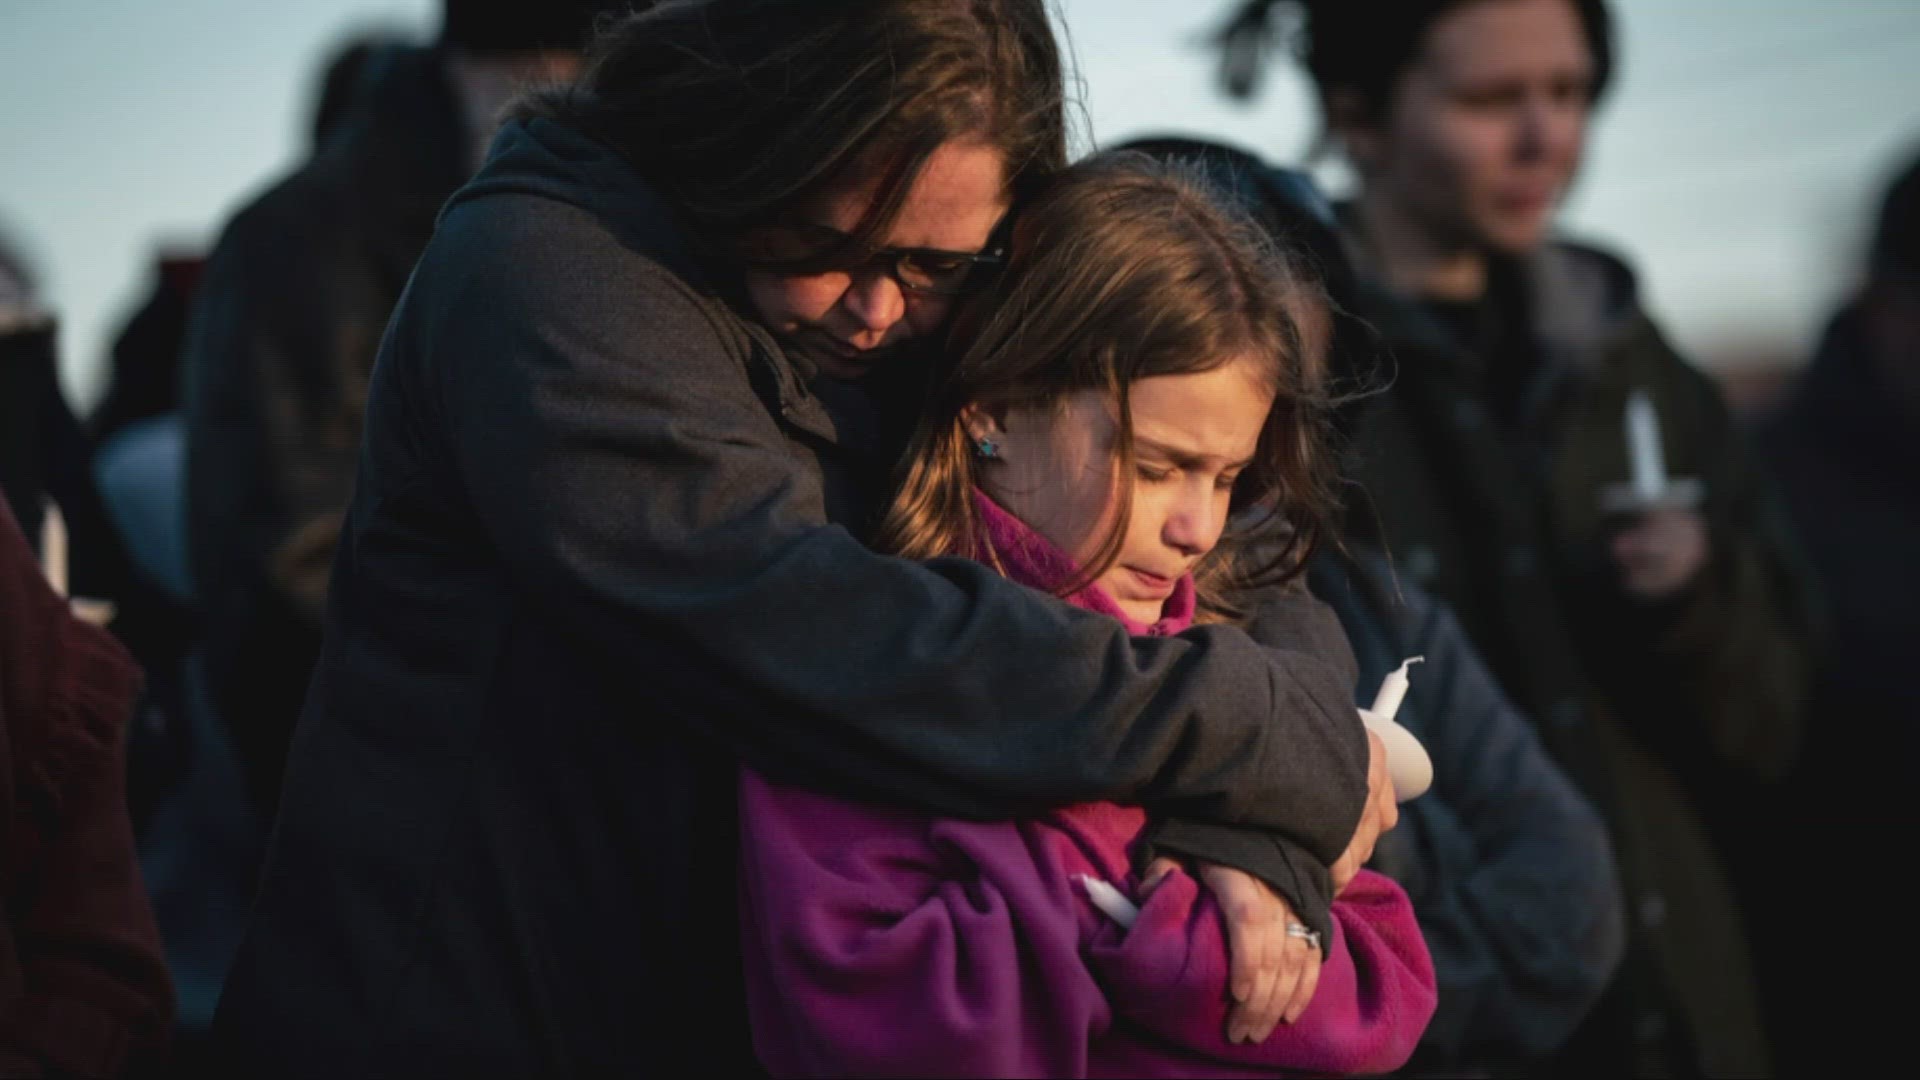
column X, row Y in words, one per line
column 1485, row 131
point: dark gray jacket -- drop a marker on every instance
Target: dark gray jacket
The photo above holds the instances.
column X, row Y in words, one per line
column 1508, row 866
column 591, row 563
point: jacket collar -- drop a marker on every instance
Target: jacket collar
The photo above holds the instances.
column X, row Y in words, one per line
column 1032, row 560
column 1581, row 303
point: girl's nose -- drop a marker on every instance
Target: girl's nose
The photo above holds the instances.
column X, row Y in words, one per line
column 1194, row 525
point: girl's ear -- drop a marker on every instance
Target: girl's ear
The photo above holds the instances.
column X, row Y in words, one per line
column 983, row 421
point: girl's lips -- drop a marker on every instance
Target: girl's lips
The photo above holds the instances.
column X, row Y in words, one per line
column 1154, row 585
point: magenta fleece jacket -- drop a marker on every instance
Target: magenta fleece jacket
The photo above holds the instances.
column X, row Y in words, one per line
column 882, row 941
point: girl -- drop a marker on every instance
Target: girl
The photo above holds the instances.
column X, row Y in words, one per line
column 1142, row 370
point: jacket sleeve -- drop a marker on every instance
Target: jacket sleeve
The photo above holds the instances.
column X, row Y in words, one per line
column 601, row 420
column 1721, row 673
column 1305, row 634
column 882, row 942
column 95, row 996
column 1508, row 866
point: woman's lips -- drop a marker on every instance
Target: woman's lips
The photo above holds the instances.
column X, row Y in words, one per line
column 1524, row 202
column 842, row 359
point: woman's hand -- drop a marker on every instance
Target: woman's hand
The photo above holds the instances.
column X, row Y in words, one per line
column 1275, row 969
column 1381, row 815
column 1273, row 972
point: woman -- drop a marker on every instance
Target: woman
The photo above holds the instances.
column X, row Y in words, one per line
column 602, row 549
column 1143, row 366
column 1660, row 644
column 83, row 985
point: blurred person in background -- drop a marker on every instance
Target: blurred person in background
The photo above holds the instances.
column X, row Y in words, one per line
column 1846, row 447
column 145, row 359
column 45, row 460
column 1662, row 650
column 83, row 988
column 284, row 332
column 145, row 362
column 137, row 431
column 1509, row 867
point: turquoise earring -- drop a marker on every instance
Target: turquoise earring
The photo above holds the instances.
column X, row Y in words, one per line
column 986, row 447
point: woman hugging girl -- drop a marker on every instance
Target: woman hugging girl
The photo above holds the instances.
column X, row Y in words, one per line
column 1132, row 420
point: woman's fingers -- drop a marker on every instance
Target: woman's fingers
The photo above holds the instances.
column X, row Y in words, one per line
column 1273, row 974
column 1286, row 984
column 1309, row 982
column 1260, row 1014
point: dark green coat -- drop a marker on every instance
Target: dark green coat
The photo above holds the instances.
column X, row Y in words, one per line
column 1668, row 716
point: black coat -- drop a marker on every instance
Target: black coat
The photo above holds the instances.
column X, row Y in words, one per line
column 592, row 556
column 1508, row 866
column 1485, row 485
column 1846, row 447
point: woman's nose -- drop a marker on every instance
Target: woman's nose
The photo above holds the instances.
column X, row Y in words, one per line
column 874, row 300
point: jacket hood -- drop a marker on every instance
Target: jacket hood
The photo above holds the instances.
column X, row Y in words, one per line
column 547, row 159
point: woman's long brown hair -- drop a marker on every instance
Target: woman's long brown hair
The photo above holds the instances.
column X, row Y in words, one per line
column 1124, row 268
column 743, row 111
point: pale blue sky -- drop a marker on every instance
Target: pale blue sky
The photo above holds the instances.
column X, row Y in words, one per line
column 1732, row 164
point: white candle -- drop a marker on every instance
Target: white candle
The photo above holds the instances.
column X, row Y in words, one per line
column 1644, row 453
column 1393, row 689
column 1111, row 901
column 53, row 548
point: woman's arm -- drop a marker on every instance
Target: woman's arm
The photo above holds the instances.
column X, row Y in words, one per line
column 603, row 421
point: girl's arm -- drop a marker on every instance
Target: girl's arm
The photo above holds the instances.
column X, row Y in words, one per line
column 891, row 942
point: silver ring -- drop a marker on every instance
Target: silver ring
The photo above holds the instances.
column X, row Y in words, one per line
column 1299, row 930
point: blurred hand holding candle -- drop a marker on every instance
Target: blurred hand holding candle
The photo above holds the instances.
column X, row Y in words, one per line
column 53, row 563
column 1648, row 486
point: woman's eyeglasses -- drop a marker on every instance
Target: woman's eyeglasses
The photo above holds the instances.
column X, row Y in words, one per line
column 807, row 249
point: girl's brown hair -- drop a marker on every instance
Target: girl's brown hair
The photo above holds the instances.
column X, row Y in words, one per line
column 743, row 111
column 1124, row 268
